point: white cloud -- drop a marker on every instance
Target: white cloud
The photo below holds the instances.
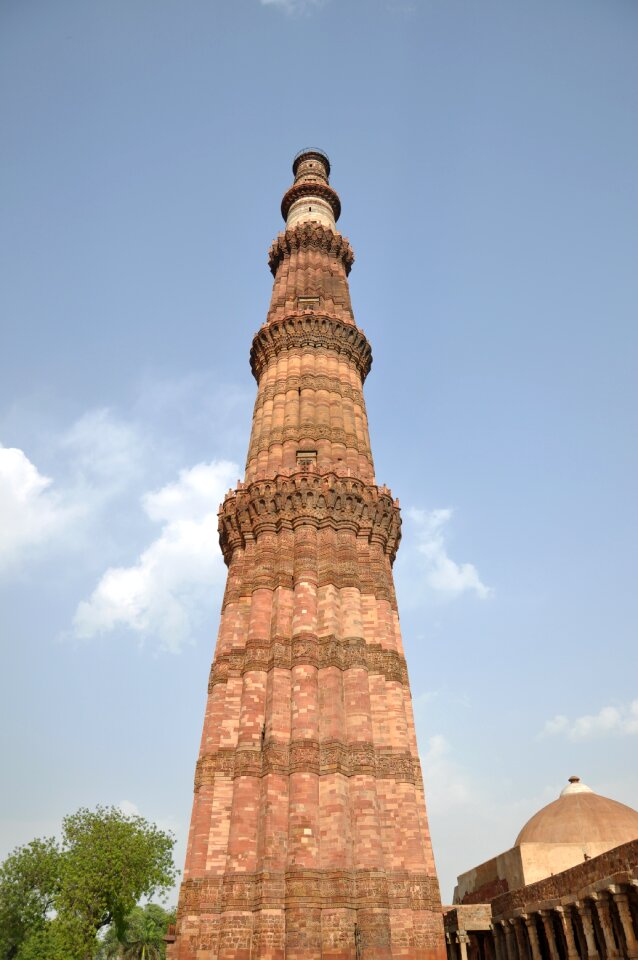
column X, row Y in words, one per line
column 292, row 6
column 97, row 457
column 163, row 594
column 128, row 808
column 446, row 784
column 558, row 724
column 104, row 452
column 442, row 574
column 32, row 512
column 609, row 720
column 421, row 700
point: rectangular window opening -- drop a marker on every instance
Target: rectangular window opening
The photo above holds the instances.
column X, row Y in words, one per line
column 306, row 458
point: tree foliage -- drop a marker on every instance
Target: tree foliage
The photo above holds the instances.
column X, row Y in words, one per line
column 29, row 879
column 56, row 896
column 143, row 937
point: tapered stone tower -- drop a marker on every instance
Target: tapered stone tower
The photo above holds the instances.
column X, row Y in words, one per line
column 309, row 836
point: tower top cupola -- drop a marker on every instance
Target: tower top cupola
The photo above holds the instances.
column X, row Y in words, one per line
column 310, row 163
column 311, row 198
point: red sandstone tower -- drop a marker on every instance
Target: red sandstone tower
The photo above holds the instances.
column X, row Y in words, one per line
column 309, row 836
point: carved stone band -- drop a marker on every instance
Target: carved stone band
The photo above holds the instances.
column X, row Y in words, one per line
column 318, row 652
column 320, row 500
column 309, row 381
column 308, row 756
column 355, row 889
column 305, row 330
column 309, row 432
column 370, row 580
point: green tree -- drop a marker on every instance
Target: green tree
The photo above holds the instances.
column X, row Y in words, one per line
column 56, row 897
column 29, row 880
column 143, row 937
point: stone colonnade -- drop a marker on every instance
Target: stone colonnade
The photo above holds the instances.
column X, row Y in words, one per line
column 601, row 924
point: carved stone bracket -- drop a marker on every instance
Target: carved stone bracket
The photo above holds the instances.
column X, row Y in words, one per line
column 322, row 500
column 303, row 330
column 307, row 756
column 310, row 236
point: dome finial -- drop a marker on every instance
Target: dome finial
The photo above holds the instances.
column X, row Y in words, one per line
column 575, row 785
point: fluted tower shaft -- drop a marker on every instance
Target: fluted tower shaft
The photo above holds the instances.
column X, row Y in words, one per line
column 309, row 836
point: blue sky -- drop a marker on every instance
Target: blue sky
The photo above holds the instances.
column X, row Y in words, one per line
column 486, row 158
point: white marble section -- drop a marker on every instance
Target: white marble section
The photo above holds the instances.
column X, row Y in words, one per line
column 311, row 208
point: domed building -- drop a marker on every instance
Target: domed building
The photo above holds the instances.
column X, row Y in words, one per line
column 566, row 890
column 577, row 826
column 581, row 817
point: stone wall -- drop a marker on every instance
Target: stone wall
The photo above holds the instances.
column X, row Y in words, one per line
column 570, row 882
column 490, row 879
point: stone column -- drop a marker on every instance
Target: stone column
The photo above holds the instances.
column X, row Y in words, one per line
column 532, row 933
column 584, row 911
column 550, row 933
column 500, row 948
column 487, row 945
column 603, row 910
column 510, row 941
column 622, row 904
column 521, row 939
column 564, row 915
column 462, row 939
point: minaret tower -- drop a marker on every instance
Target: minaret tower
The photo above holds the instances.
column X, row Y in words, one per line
column 309, row 837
